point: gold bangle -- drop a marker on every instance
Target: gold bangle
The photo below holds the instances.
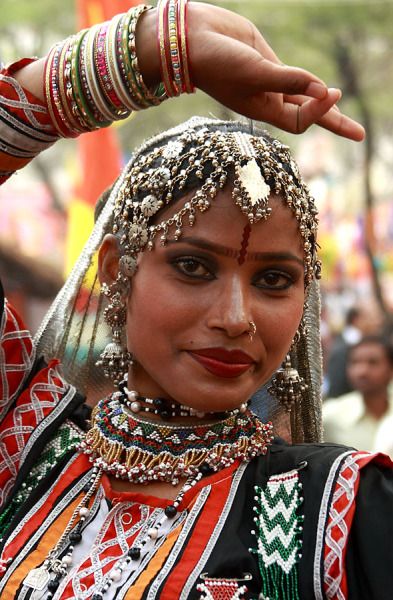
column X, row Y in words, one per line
column 169, row 88
column 188, row 86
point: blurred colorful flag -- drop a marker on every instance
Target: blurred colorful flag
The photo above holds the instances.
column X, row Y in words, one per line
column 99, row 155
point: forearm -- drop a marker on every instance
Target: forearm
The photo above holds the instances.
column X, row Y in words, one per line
column 28, row 125
column 225, row 55
column 25, row 126
column 31, row 77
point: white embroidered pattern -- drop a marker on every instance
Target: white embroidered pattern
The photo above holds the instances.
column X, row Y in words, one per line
column 278, row 522
column 338, row 526
column 214, row 588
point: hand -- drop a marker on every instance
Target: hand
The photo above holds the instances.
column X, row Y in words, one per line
column 232, row 62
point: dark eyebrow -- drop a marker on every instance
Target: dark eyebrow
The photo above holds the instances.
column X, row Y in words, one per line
column 233, row 253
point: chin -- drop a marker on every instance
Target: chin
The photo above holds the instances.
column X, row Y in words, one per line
column 217, row 399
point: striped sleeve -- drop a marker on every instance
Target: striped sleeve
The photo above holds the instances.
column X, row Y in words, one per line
column 25, row 125
column 16, row 356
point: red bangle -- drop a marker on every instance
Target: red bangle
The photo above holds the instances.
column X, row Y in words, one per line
column 189, row 86
column 102, row 67
column 51, row 93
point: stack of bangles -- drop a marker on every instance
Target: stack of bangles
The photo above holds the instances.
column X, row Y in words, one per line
column 173, row 47
column 93, row 78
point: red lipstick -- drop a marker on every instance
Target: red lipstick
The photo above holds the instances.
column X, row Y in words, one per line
column 222, row 362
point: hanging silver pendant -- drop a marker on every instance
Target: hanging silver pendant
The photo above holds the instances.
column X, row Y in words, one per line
column 37, row 578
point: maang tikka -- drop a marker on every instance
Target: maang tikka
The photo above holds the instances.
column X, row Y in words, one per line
column 115, row 359
column 160, row 172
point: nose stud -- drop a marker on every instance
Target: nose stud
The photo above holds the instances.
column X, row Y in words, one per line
column 252, row 330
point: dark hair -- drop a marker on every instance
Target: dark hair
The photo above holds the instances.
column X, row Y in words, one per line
column 101, row 201
column 380, row 340
column 352, row 314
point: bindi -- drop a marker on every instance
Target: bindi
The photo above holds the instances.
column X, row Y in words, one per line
column 243, row 247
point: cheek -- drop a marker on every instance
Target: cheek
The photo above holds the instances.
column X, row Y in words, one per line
column 157, row 314
column 280, row 326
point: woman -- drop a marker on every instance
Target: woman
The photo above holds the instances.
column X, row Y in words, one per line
column 176, row 490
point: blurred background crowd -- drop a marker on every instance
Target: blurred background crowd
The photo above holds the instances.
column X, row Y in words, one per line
column 47, row 210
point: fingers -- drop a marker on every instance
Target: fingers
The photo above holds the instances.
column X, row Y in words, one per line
column 234, row 40
column 311, row 111
column 297, row 117
column 332, row 119
column 288, row 80
column 257, row 85
column 342, row 125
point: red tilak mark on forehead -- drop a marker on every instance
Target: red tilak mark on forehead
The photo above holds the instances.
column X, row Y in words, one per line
column 243, row 248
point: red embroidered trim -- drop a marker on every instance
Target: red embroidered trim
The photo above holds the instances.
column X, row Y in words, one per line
column 341, row 513
column 221, row 589
column 16, row 356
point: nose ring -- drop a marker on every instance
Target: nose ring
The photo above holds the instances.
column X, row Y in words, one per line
column 252, row 330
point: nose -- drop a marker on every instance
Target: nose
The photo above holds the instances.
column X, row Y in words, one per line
column 231, row 311
column 359, row 369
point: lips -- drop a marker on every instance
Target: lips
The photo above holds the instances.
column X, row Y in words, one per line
column 222, row 362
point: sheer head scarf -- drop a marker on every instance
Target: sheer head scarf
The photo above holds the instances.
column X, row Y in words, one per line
column 74, row 329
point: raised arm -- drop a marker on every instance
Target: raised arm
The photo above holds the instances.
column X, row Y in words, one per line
column 226, row 55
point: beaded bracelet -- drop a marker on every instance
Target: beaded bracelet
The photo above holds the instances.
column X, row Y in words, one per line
column 173, row 46
column 102, row 70
column 90, row 105
column 63, row 105
column 129, row 50
column 124, row 64
column 119, row 88
column 84, row 112
column 170, row 88
column 73, row 95
column 93, row 78
column 149, row 98
column 51, row 91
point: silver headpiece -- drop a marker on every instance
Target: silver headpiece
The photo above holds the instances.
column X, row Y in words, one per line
column 204, row 157
column 199, row 156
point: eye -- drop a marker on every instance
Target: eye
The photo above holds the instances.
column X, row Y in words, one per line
column 274, row 280
column 193, row 267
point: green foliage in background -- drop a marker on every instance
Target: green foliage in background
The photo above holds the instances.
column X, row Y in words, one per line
column 320, row 35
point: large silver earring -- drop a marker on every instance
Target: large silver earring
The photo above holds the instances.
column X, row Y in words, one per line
column 287, row 385
column 115, row 359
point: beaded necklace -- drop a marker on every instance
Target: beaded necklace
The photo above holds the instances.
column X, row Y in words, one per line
column 163, row 408
column 139, row 450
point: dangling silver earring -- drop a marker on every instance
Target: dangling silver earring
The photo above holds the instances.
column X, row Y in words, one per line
column 115, row 359
column 287, row 386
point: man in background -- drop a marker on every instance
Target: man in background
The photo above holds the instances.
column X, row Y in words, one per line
column 355, row 419
column 336, row 372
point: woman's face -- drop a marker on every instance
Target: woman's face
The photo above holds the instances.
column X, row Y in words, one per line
column 191, row 303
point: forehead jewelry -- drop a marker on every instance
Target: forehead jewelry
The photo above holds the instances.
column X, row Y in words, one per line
column 260, row 168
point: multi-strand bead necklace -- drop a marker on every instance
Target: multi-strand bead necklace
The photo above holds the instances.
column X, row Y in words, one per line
column 139, row 450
